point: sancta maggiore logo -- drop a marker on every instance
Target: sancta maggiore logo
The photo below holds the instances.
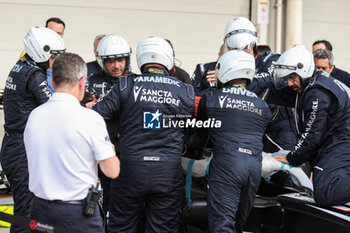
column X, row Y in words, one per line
column 157, row 120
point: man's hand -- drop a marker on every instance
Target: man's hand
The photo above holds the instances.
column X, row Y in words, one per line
column 211, row 77
column 90, row 104
column 281, row 158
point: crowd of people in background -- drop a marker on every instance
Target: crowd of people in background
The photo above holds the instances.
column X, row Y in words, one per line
column 71, row 125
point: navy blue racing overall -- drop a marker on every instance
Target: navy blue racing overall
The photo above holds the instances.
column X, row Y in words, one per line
column 93, row 68
column 281, row 131
column 150, row 107
column 235, row 169
column 199, row 80
column 324, row 138
column 100, row 84
column 25, row 89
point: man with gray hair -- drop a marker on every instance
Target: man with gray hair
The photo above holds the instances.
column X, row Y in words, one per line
column 93, row 67
column 65, row 184
column 324, row 61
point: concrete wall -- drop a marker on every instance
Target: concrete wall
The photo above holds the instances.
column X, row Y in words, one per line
column 330, row 20
column 195, row 27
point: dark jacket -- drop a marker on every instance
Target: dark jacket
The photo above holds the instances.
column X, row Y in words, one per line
column 323, row 113
column 282, row 129
column 244, row 118
column 263, row 71
column 199, row 80
column 143, row 103
column 341, row 75
column 100, row 83
column 92, row 68
column 26, row 88
column 180, row 74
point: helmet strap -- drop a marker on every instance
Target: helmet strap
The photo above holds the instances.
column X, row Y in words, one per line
column 219, row 84
column 255, row 50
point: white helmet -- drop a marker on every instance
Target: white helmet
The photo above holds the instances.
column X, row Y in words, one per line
column 235, row 64
column 240, row 34
column 296, row 60
column 40, row 43
column 155, row 50
column 113, row 46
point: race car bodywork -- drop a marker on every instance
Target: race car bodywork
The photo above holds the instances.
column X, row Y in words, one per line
column 276, row 209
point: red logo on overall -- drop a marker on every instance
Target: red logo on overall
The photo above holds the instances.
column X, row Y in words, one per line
column 32, row 225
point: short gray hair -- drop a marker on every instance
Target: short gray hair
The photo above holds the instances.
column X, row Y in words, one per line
column 68, row 69
column 324, row 54
column 97, row 38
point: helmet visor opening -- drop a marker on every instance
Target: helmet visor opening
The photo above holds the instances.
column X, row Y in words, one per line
column 286, row 67
column 240, row 31
column 57, row 51
column 282, row 82
column 290, row 77
column 115, row 56
column 249, row 46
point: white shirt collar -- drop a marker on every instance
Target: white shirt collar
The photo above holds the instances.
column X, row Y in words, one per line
column 60, row 96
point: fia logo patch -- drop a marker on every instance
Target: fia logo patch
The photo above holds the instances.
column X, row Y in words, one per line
column 152, row 120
